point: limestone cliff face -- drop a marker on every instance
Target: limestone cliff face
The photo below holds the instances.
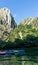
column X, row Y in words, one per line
column 5, row 15
column 31, row 21
column 7, row 23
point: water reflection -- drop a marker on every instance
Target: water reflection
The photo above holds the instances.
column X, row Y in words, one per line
column 20, row 57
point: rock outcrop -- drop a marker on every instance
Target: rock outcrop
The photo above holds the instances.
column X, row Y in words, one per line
column 7, row 23
column 31, row 21
column 5, row 15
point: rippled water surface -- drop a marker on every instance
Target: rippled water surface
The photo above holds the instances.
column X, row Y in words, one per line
column 30, row 58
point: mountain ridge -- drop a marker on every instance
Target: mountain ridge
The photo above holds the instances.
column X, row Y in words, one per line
column 30, row 21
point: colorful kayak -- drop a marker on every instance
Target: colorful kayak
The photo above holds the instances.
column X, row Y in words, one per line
column 13, row 52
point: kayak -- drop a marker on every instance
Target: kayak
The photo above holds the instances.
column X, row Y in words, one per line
column 2, row 52
column 19, row 52
column 13, row 52
column 10, row 52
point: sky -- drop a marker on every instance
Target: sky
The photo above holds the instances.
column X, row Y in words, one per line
column 21, row 9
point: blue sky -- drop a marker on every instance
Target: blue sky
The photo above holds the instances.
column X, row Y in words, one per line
column 21, row 9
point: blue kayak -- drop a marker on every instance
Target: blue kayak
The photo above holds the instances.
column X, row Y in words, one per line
column 9, row 52
column 19, row 52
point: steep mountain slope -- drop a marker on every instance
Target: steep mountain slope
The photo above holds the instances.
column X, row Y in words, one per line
column 28, row 25
column 7, row 23
column 26, row 33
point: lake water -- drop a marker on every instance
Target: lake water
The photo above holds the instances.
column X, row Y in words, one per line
column 30, row 57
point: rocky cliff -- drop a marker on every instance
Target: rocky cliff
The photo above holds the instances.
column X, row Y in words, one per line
column 31, row 21
column 7, row 23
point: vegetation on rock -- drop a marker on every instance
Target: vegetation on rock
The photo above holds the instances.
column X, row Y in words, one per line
column 21, row 37
column 24, row 35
